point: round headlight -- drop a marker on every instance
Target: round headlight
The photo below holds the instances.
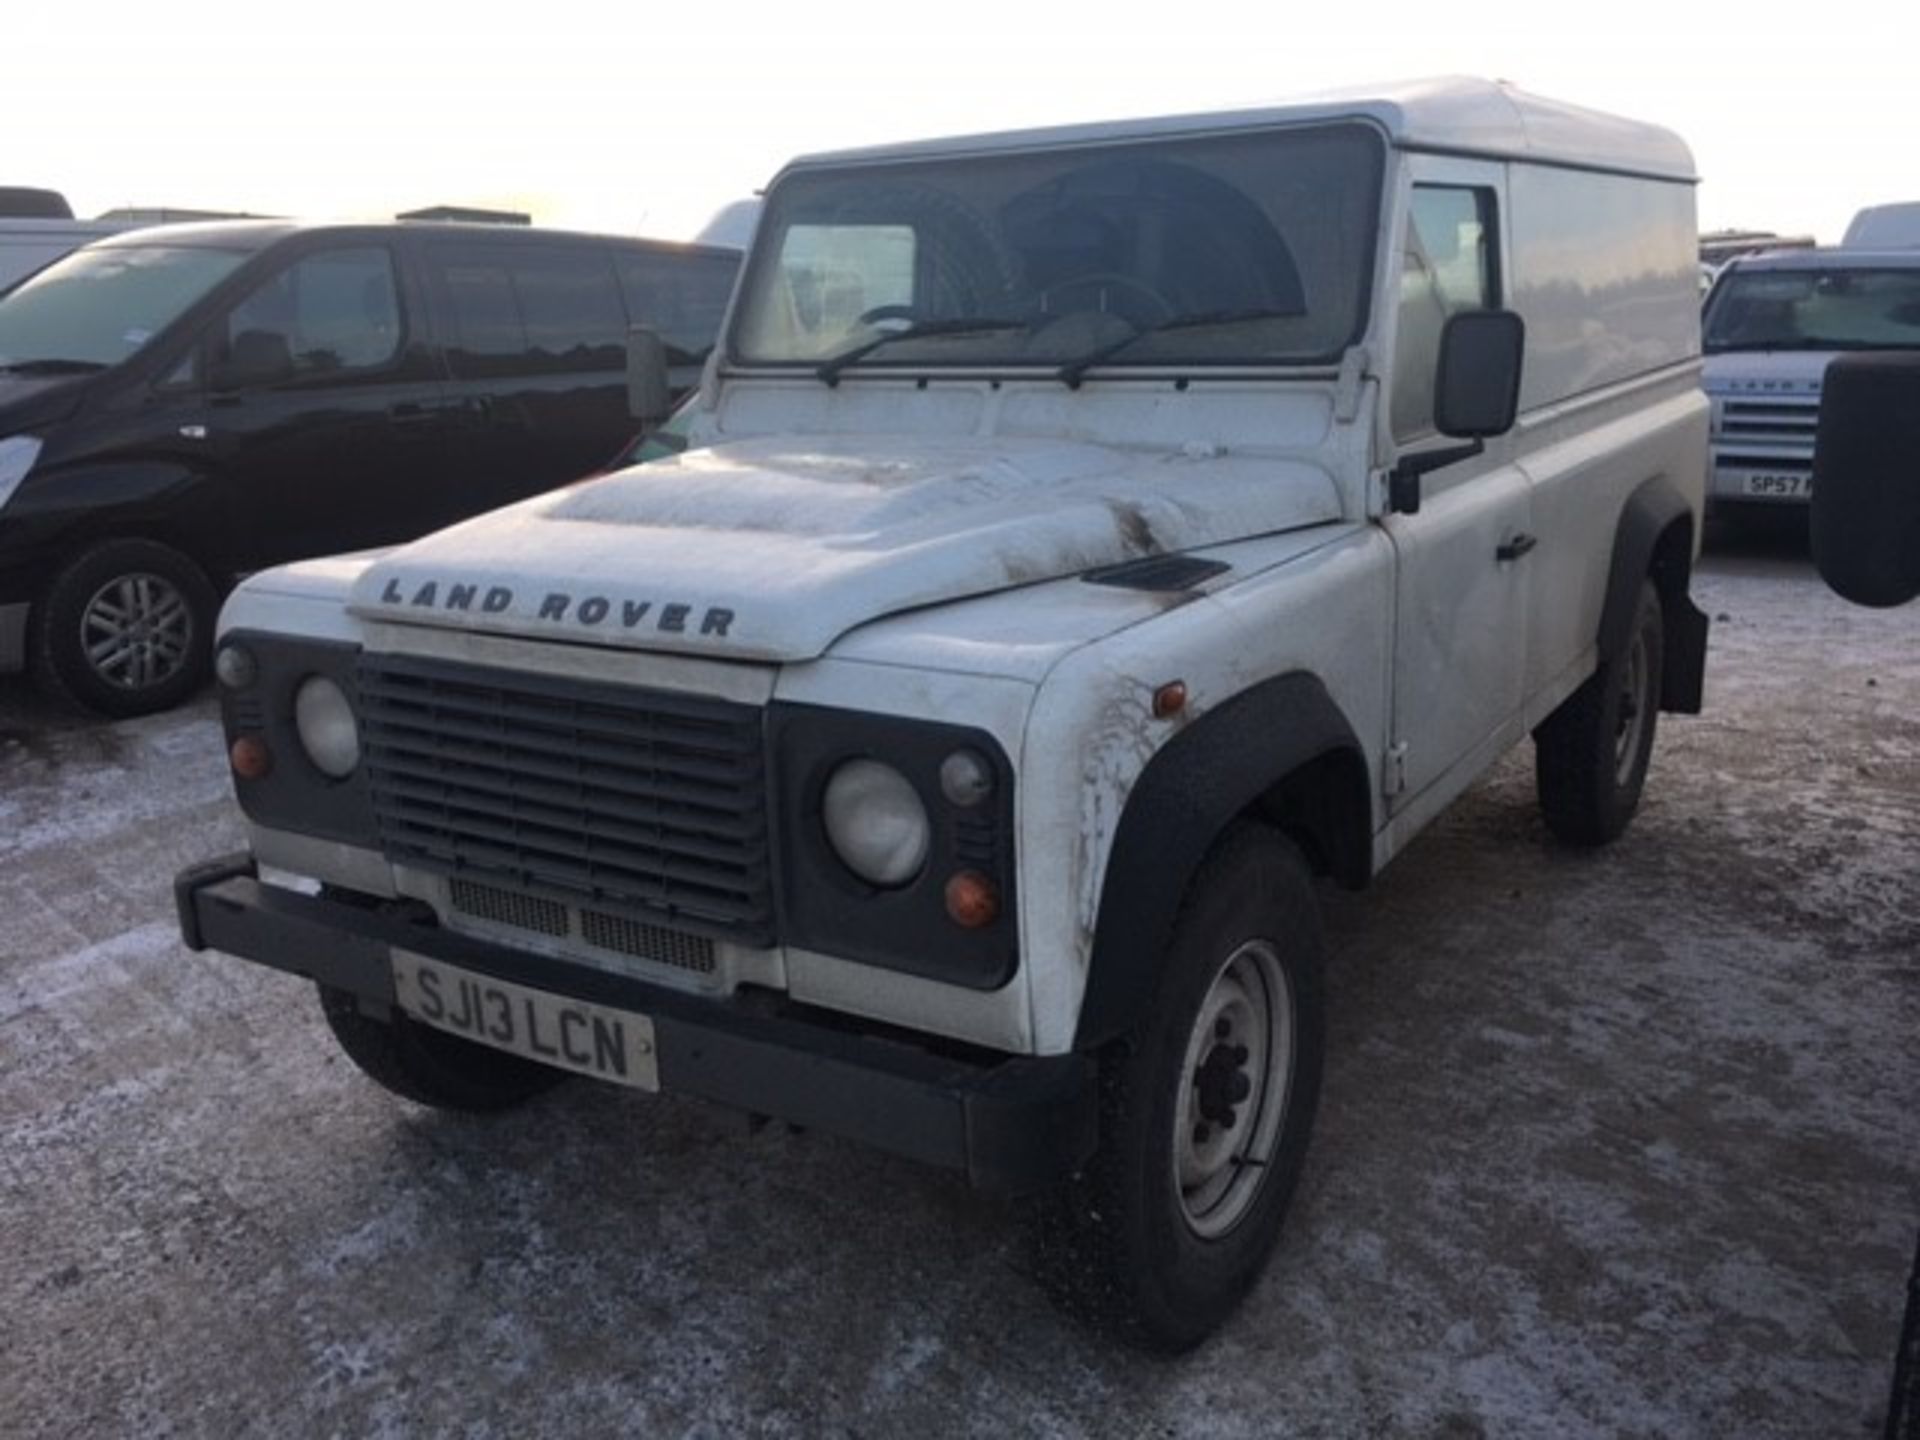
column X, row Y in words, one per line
column 328, row 732
column 876, row 823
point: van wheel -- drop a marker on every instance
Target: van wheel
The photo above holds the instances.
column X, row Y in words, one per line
column 430, row 1067
column 1206, row 1109
column 126, row 628
column 1590, row 755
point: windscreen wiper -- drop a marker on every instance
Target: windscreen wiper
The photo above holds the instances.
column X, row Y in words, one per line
column 1074, row 371
column 830, row 368
column 51, row 367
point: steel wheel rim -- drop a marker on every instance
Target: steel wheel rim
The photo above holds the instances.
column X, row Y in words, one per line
column 1635, row 693
column 1219, row 1165
column 137, row 631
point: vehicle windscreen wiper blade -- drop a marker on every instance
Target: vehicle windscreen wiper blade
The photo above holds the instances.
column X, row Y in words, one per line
column 51, row 367
column 830, row 368
column 1074, row 371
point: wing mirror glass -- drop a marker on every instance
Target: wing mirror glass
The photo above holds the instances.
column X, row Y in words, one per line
column 1476, row 393
column 649, row 395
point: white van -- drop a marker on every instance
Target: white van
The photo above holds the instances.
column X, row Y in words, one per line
column 1883, row 227
column 28, row 246
column 1086, row 538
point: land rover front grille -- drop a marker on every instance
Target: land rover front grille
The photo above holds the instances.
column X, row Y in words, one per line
column 642, row 805
column 1776, row 433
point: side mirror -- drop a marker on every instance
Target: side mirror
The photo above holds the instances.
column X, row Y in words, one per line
column 649, row 396
column 1476, row 393
column 256, row 357
column 1865, row 521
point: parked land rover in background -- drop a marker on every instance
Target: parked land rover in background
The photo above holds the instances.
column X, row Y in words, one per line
column 181, row 405
column 1771, row 325
column 1086, row 537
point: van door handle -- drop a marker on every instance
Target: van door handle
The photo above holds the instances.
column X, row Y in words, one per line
column 1516, row 547
column 413, row 414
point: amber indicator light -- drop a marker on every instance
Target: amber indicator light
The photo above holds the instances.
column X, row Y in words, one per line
column 972, row 900
column 1169, row 699
column 251, row 758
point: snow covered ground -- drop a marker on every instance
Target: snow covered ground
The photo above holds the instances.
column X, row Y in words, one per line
column 1617, row 1144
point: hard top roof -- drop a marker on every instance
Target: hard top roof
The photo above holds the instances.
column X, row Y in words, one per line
column 1453, row 114
column 258, row 234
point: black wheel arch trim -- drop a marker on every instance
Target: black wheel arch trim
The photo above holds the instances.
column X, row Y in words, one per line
column 1654, row 539
column 1281, row 750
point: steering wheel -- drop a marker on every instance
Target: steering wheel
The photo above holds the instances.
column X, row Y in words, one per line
column 1129, row 285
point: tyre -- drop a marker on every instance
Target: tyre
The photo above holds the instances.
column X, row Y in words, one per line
column 1206, row 1109
column 126, row 628
column 431, row 1067
column 1590, row 755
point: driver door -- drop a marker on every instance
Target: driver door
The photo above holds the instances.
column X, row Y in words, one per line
column 1460, row 633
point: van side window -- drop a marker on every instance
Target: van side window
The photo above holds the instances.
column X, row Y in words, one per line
column 684, row 297
column 531, row 309
column 1449, row 267
column 338, row 310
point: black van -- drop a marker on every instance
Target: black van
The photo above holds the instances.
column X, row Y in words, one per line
column 183, row 405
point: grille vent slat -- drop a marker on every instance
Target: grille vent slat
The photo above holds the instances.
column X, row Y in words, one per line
column 633, row 938
column 649, row 807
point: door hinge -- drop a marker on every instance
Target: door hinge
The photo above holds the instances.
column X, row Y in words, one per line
column 1393, row 774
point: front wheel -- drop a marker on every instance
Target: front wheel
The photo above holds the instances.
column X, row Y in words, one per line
column 1590, row 755
column 1206, row 1109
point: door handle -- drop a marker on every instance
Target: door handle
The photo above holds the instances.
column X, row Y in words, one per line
column 1516, row 547
column 413, row 414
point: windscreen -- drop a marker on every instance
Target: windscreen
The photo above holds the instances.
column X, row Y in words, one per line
column 1249, row 249
column 99, row 306
column 1839, row 309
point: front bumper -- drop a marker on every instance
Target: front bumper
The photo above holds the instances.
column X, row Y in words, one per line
column 1010, row 1123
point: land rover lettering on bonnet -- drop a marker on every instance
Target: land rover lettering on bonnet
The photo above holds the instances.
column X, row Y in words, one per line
column 673, row 617
column 1086, row 544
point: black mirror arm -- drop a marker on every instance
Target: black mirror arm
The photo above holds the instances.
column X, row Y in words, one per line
column 1403, row 481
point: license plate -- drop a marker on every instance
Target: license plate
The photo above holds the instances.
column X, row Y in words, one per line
column 1777, row 487
column 608, row 1044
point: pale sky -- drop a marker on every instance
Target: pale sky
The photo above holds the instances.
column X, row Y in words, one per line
column 649, row 118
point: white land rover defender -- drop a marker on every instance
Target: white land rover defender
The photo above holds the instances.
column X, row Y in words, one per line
column 1085, row 539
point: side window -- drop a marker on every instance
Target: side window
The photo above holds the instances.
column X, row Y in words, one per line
column 336, row 311
column 684, row 297
column 1449, row 267
column 570, row 304
column 531, row 309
